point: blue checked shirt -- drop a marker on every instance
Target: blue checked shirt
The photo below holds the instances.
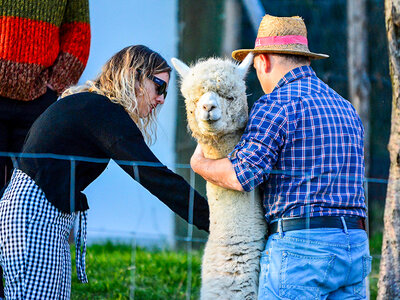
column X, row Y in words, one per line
column 304, row 146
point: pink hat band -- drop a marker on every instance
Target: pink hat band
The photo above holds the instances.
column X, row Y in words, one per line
column 280, row 35
column 281, row 40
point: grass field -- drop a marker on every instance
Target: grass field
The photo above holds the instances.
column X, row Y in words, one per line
column 156, row 274
column 375, row 244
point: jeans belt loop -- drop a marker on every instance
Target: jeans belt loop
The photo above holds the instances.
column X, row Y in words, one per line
column 344, row 224
column 280, row 228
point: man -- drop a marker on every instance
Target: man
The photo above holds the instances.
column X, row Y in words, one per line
column 44, row 48
column 304, row 145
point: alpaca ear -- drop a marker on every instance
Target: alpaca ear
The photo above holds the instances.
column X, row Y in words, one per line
column 180, row 66
column 246, row 63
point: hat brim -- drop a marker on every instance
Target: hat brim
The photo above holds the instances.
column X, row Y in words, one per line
column 242, row 53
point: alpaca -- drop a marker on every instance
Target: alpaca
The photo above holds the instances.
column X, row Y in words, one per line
column 217, row 113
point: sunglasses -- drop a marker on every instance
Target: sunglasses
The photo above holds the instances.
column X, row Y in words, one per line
column 161, row 85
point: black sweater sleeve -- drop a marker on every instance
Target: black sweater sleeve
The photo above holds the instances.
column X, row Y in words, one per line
column 167, row 186
column 90, row 125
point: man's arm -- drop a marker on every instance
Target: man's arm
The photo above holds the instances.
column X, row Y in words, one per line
column 217, row 171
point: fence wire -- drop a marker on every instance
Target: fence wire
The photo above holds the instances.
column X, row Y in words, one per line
column 189, row 238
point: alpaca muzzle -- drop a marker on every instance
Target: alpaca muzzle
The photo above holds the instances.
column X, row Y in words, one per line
column 208, row 107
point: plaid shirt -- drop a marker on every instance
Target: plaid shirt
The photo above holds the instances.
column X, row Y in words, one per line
column 304, row 145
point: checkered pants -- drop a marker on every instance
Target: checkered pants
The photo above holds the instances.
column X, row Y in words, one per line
column 34, row 249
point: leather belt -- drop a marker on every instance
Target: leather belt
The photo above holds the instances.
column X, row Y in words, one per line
column 317, row 222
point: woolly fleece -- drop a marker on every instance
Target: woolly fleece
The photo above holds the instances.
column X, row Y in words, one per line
column 231, row 260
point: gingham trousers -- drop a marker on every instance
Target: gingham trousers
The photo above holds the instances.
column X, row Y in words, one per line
column 34, row 249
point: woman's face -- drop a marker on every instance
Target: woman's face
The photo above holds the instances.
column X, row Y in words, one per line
column 147, row 105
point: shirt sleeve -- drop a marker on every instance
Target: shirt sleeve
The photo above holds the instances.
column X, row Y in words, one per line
column 74, row 46
column 258, row 150
column 167, row 186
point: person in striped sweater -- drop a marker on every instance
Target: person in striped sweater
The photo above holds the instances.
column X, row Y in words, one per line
column 44, row 48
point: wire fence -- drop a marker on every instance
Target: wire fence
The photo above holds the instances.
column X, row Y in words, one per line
column 136, row 238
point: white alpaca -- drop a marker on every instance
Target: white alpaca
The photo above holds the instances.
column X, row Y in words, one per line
column 216, row 106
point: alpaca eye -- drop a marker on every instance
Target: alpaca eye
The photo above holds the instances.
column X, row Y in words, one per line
column 230, row 98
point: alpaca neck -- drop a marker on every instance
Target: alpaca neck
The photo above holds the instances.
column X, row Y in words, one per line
column 221, row 146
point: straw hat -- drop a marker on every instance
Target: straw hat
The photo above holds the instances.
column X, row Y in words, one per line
column 280, row 35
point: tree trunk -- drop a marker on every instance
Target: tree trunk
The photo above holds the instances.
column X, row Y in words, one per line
column 357, row 54
column 200, row 34
column 232, row 27
column 255, row 11
column 389, row 276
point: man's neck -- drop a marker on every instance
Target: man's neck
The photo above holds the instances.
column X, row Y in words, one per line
column 277, row 73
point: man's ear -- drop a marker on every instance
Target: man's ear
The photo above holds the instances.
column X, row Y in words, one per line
column 265, row 62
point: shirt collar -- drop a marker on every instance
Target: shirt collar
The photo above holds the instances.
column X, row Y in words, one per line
column 295, row 74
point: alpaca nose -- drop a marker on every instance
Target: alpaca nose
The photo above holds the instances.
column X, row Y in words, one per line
column 209, row 106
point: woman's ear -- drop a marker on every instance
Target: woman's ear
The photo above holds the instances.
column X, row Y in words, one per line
column 138, row 89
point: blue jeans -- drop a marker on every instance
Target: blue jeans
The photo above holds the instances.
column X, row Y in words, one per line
column 326, row 263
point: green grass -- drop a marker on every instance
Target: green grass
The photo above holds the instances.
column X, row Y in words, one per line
column 157, row 274
column 375, row 245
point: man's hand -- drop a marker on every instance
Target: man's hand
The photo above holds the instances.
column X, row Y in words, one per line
column 197, row 158
column 217, row 171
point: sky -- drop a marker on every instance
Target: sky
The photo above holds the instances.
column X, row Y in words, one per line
column 118, row 205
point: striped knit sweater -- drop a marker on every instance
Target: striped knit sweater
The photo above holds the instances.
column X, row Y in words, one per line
column 42, row 42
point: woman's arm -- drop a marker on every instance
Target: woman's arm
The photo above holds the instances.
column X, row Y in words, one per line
column 167, row 186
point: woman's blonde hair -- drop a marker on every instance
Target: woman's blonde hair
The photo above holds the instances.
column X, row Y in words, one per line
column 119, row 81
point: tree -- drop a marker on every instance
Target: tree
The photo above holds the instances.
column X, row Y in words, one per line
column 232, row 26
column 389, row 276
column 197, row 39
column 357, row 58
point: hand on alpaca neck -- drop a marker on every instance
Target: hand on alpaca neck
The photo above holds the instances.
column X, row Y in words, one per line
column 215, row 147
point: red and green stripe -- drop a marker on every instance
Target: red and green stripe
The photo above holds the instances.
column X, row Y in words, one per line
column 29, row 32
column 42, row 42
column 49, row 11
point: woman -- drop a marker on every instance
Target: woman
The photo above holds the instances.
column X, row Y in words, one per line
column 107, row 118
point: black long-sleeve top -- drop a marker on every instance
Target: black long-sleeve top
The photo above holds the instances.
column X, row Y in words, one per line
column 90, row 125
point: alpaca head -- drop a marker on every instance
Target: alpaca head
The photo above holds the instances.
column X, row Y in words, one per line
column 215, row 95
